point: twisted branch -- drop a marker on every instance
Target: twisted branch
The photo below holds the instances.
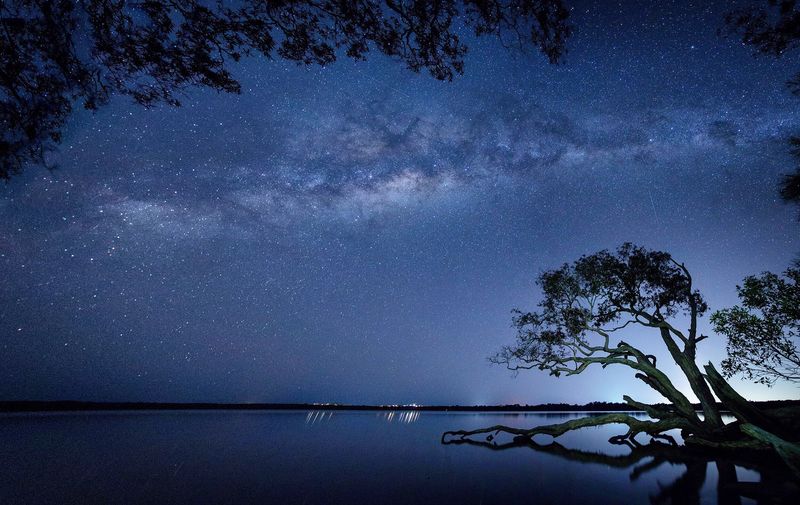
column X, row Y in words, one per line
column 635, row 426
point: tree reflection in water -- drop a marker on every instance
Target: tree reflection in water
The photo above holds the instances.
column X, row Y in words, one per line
column 776, row 484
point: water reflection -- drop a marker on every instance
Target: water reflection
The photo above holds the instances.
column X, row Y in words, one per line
column 776, row 484
column 393, row 416
column 326, row 457
column 405, row 417
column 317, row 416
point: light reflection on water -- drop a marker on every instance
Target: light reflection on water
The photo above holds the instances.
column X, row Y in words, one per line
column 406, row 416
column 390, row 416
column 315, row 416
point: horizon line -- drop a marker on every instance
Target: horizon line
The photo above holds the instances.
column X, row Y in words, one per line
column 81, row 405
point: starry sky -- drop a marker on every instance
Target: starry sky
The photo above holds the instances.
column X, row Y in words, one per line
column 359, row 233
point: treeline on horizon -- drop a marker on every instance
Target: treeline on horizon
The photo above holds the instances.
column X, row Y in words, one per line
column 66, row 406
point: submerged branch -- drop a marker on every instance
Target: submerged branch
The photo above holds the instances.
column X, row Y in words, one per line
column 788, row 451
column 635, row 426
column 778, row 483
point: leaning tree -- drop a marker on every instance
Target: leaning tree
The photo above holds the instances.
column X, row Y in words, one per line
column 585, row 303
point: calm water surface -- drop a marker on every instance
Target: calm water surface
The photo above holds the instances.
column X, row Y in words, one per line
column 326, row 457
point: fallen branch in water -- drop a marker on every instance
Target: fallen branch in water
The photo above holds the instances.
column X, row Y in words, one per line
column 635, row 427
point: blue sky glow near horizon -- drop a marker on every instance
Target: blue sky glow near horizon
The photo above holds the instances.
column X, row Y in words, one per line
column 359, row 233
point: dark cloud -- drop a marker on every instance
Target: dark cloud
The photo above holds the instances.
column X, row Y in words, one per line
column 724, row 131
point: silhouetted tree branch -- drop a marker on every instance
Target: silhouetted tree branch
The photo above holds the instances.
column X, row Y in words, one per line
column 777, row 483
column 635, row 427
column 58, row 54
column 763, row 331
column 773, row 29
column 585, row 302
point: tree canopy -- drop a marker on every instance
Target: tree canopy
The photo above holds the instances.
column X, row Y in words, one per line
column 763, row 331
column 587, row 301
column 58, row 54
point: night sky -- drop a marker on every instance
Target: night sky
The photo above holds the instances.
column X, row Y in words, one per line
column 359, row 233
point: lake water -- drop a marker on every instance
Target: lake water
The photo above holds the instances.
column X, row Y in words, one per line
column 329, row 457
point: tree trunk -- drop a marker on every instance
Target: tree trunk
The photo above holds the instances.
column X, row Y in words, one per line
column 789, row 452
column 744, row 411
column 659, row 381
column 685, row 361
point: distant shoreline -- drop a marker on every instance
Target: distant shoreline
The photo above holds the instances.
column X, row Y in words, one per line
column 77, row 406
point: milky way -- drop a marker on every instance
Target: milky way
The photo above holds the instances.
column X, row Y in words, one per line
column 359, row 233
